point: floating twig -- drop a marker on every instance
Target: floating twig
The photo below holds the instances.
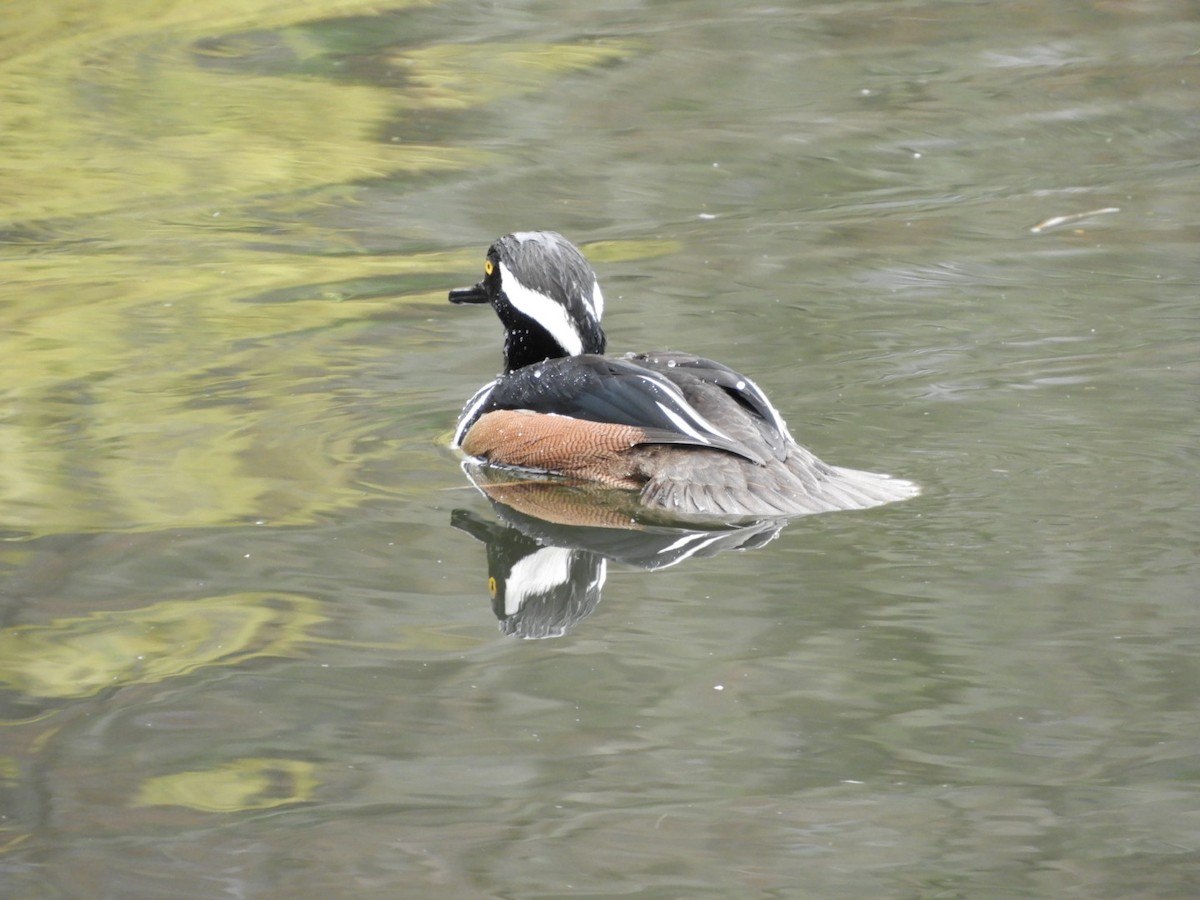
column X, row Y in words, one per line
column 1056, row 221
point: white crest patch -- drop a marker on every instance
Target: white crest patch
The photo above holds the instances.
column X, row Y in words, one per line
column 597, row 302
column 546, row 311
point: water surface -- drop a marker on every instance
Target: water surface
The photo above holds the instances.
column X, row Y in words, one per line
column 244, row 650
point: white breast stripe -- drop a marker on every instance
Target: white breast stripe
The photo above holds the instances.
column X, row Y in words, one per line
column 544, row 310
column 470, row 411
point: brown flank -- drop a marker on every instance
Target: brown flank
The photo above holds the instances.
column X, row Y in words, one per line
column 593, row 450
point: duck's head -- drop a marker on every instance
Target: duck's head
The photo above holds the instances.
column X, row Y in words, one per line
column 546, row 296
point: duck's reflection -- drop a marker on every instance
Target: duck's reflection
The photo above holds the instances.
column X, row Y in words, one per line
column 548, row 555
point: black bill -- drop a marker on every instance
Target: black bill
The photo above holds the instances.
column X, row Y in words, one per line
column 473, row 294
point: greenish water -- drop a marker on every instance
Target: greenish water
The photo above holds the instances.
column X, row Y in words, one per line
column 246, row 645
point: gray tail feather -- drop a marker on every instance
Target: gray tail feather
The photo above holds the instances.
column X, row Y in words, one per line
column 800, row 486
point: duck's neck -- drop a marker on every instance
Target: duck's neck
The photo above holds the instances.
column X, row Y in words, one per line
column 525, row 345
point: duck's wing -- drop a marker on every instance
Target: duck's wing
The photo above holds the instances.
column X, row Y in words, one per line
column 612, row 391
column 772, row 429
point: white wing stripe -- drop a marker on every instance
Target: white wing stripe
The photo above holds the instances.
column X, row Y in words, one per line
column 682, row 424
column 683, row 408
column 776, row 418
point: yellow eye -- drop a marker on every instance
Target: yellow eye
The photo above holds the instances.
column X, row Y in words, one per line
column 488, row 268
column 491, row 581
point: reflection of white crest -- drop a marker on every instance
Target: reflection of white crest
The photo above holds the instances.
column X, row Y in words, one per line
column 536, row 575
column 545, row 594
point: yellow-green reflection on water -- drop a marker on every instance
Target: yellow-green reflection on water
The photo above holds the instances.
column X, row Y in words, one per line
column 242, row 784
column 137, row 161
column 118, row 111
column 453, row 76
column 79, row 657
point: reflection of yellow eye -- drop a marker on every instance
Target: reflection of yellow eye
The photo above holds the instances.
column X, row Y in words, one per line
column 491, row 581
column 488, row 268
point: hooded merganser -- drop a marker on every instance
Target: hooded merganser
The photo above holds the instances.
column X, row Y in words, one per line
column 693, row 437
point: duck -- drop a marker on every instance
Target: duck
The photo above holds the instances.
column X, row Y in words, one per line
column 692, row 437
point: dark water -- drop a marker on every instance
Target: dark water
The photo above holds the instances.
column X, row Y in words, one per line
column 247, row 647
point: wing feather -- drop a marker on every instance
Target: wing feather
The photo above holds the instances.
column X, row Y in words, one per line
column 749, row 395
column 599, row 389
